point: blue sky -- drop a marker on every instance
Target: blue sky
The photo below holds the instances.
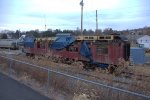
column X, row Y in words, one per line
column 65, row 14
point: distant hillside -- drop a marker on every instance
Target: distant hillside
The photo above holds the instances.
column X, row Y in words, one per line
column 140, row 31
column 51, row 32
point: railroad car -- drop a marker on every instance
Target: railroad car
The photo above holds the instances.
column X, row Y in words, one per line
column 102, row 51
column 8, row 43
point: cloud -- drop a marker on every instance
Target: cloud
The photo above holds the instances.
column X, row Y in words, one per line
column 118, row 14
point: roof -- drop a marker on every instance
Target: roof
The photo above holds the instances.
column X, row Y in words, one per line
column 145, row 37
column 62, row 42
column 134, row 37
column 29, row 41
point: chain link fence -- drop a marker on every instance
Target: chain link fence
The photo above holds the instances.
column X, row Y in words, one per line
column 71, row 87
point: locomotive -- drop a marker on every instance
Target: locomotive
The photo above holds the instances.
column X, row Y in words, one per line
column 102, row 51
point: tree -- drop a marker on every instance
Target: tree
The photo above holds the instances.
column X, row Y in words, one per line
column 36, row 33
column 57, row 31
column 84, row 31
column 77, row 31
column 4, row 36
column 17, row 34
column 90, row 32
column 99, row 31
column 108, row 31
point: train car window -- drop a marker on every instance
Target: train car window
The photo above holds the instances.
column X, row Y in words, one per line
column 76, row 49
column 108, row 37
column 119, row 44
column 117, row 37
column 49, row 43
column 86, row 37
column 43, row 44
column 38, row 44
column 102, row 49
column 91, row 38
column 101, row 37
column 72, row 49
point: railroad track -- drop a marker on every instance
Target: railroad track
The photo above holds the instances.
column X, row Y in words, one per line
column 126, row 74
column 138, row 76
column 98, row 78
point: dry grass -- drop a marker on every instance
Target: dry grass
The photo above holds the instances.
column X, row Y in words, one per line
column 75, row 89
column 141, row 70
column 102, row 76
column 36, row 74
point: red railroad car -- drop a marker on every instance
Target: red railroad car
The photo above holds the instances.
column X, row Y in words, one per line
column 100, row 51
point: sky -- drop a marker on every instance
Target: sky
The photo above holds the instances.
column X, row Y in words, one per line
column 65, row 14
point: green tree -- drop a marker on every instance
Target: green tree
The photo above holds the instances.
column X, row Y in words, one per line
column 17, row 34
column 4, row 36
column 36, row 33
column 108, row 31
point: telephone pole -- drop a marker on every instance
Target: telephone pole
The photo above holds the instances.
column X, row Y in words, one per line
column 45, row 21
column 96, row 22
column 81, row 3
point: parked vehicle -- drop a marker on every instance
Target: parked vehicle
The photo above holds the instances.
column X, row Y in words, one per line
column 8, row 43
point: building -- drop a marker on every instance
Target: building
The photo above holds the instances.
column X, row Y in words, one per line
column 137, row 55
column 144, row 41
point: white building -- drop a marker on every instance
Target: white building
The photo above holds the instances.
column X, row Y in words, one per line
column 144, row 41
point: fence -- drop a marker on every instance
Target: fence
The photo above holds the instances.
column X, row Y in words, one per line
column 71, row 87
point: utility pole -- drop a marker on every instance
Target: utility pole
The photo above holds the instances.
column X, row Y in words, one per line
column 45, row 21
column 45, row 27
column 96, row 22
column 81, row 3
